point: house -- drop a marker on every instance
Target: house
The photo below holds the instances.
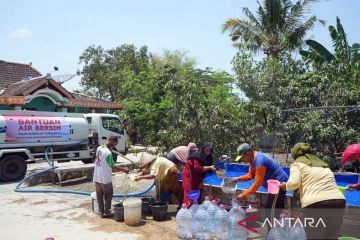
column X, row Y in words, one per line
column 22, row 87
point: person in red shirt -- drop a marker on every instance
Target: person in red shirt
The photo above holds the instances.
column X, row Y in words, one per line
column 196, row 166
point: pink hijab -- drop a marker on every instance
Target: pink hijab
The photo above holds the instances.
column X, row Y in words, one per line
column 182, row 152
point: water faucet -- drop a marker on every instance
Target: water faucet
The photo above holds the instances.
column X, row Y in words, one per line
column 227, row 159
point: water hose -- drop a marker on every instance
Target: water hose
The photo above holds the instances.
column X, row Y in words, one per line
column 17, row 188
column 52, row 167
column 118, row 153
column 135, row 194
column 51, row 164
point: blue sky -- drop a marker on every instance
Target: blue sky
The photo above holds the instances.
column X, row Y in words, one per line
column 55, row 33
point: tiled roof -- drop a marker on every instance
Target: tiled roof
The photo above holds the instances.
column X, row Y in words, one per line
column 18, row 88
column 82, row 100
column 11, row 72
column 27, row 87
column 84, row 97
column 15, row 82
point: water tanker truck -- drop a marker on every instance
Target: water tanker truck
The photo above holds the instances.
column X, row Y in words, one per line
column 31, row 136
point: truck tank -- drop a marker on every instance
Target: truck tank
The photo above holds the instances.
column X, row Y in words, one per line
column 29, row 129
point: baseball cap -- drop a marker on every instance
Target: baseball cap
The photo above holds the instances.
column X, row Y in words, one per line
column 241, row 150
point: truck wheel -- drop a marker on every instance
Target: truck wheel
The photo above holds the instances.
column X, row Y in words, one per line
column 12, row 168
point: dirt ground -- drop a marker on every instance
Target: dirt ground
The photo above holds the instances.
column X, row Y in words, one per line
column 65, row 216
column 122, row 184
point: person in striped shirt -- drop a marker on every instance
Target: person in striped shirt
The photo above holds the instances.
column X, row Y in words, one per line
column 179, row 155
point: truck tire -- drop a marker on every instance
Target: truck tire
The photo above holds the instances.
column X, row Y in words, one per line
column 12, row 168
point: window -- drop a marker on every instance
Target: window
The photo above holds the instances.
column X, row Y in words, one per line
column 112, row 124
column 88, row 120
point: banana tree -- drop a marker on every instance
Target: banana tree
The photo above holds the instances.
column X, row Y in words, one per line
column 344, row 54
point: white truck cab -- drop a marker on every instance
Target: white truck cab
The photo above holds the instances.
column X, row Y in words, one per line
column 103, row 125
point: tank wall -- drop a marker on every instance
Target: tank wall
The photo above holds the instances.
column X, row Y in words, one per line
column 34, row 131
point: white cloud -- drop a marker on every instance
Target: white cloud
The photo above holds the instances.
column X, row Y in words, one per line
column 21, row 33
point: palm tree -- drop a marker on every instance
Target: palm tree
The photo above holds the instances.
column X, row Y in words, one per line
column 277, row 26
column 344, row 54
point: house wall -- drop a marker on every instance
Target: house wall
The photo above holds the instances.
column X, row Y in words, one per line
column 85, row 110
column 41, row 104
column 5, row 107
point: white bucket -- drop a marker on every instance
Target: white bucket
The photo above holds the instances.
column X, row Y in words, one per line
column 132, row 211
column 228, row 186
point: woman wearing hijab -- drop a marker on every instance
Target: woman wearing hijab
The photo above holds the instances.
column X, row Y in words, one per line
column 319, row 194
column 196, row 166
column 180, row 154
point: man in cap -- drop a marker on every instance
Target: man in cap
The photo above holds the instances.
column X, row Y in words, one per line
column 162, row 169
column 104, row 166
column 261, row 168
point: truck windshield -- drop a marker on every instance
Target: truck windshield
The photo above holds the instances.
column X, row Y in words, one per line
column 112, row 124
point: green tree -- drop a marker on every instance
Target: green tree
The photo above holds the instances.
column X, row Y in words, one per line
column 201, row 105
column 266, row 84
column 345, row 56
column 93, row 72
column 294, row 107
column 278, row 26
column 167, row 98
column 104, row 72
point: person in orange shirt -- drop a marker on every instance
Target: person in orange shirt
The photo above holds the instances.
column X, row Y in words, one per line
column 261, row 168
